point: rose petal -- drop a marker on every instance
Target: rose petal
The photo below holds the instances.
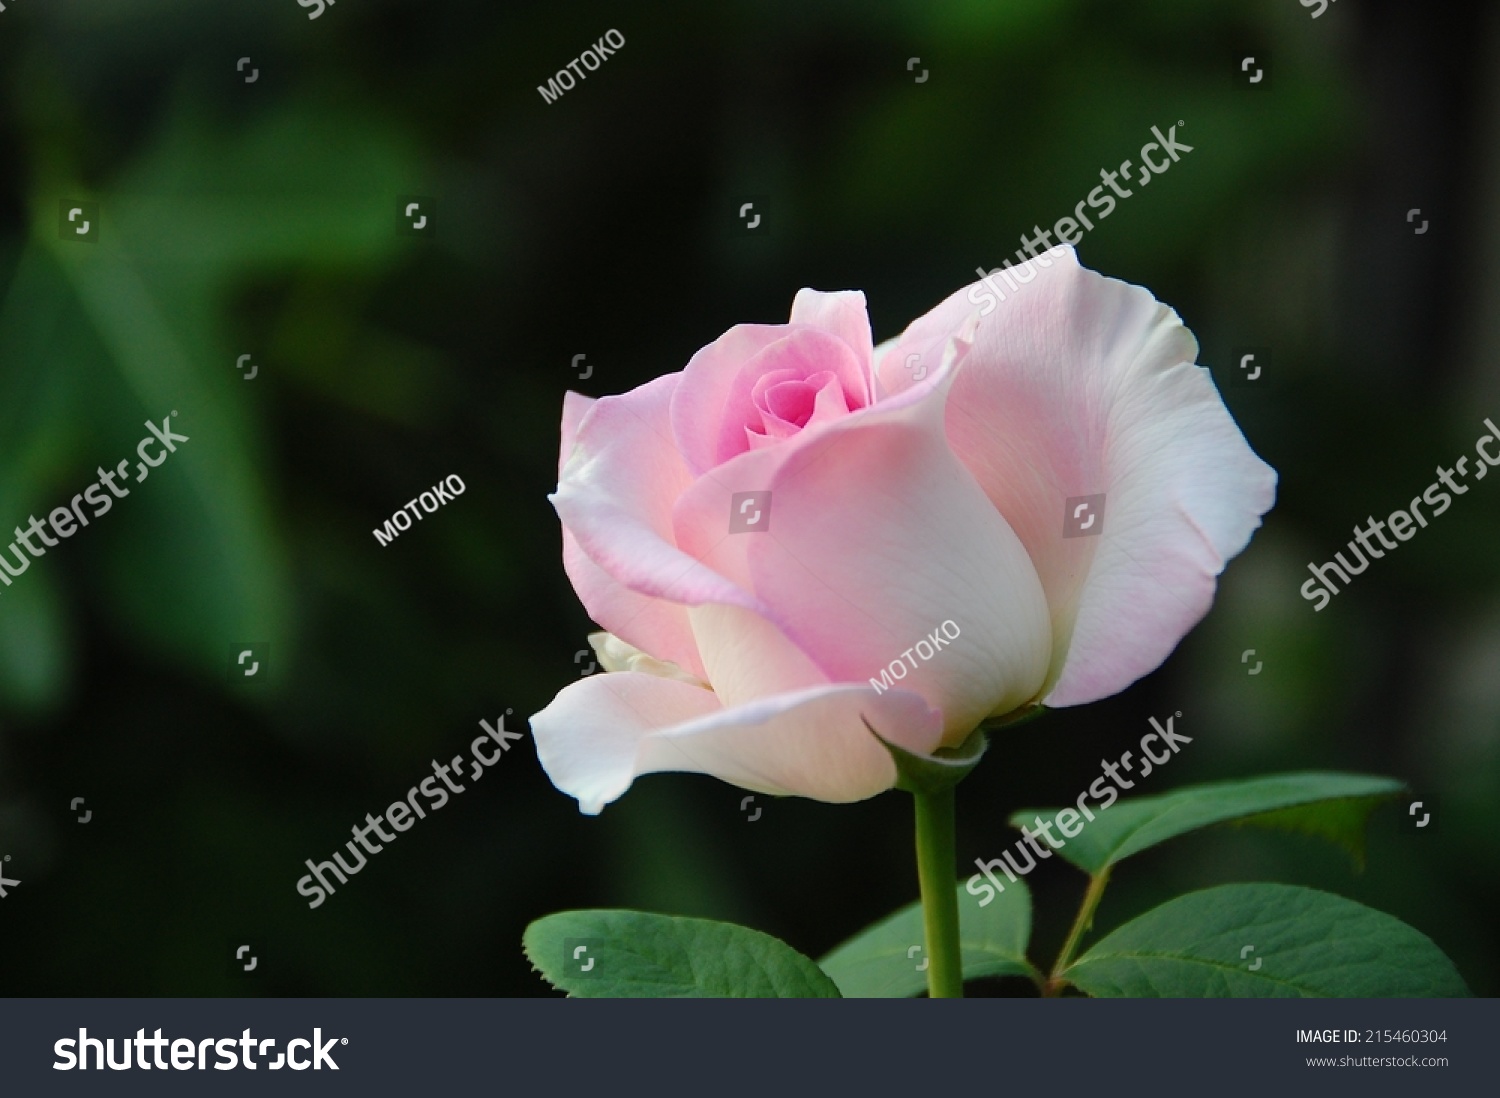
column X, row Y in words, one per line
column 615, row 654
column 788, row 407
column 653, row 625
column 575, row 407
column 748, row 657
column 844, row 314
column 876, row 535
column 601, row 732
column 712, row 393
column 800, row 353
column 1081, row 385
column 615, row 500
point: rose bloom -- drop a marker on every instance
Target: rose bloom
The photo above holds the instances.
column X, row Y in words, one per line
column 896, row 488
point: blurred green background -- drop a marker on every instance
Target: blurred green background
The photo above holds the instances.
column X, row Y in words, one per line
column 262, row 218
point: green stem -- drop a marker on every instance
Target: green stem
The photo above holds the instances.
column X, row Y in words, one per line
column 937, row 858
column 1081, row 925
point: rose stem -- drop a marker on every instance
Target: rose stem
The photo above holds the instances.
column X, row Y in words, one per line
column 1081, row 925
column 937, row 857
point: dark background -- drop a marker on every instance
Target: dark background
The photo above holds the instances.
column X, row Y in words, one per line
column 263, row 218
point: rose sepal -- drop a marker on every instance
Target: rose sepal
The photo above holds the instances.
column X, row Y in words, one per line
column 943, row 769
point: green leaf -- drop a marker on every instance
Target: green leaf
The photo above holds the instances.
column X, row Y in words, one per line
column 1265, row 941
column 1329, row 805
column 943, row 769
column 881, row 962
column 637, row 955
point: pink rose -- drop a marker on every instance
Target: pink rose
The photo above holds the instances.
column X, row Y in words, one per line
column 771, row 534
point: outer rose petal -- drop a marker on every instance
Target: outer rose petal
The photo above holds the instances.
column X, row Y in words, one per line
column 877, row 534
column 1080, row 385
column 616, row 495
column 651, row 624
column 575, row 407
column 601, row 732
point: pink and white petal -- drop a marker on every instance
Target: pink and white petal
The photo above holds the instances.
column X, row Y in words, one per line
column 653, row 625
column 703, row 522
column 879, row 358
column 803, row 353
column 1185, row 494
column 813, row 743
column 615, row 654
column 616, row 496
column 715, row 402
column 602, row 732
column 876, row 535
column 712, row 393
column 589, row 738
column 575, row 407
column 845, row 314
column 1081, row 385
column 747, row 656
column 650, row 624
